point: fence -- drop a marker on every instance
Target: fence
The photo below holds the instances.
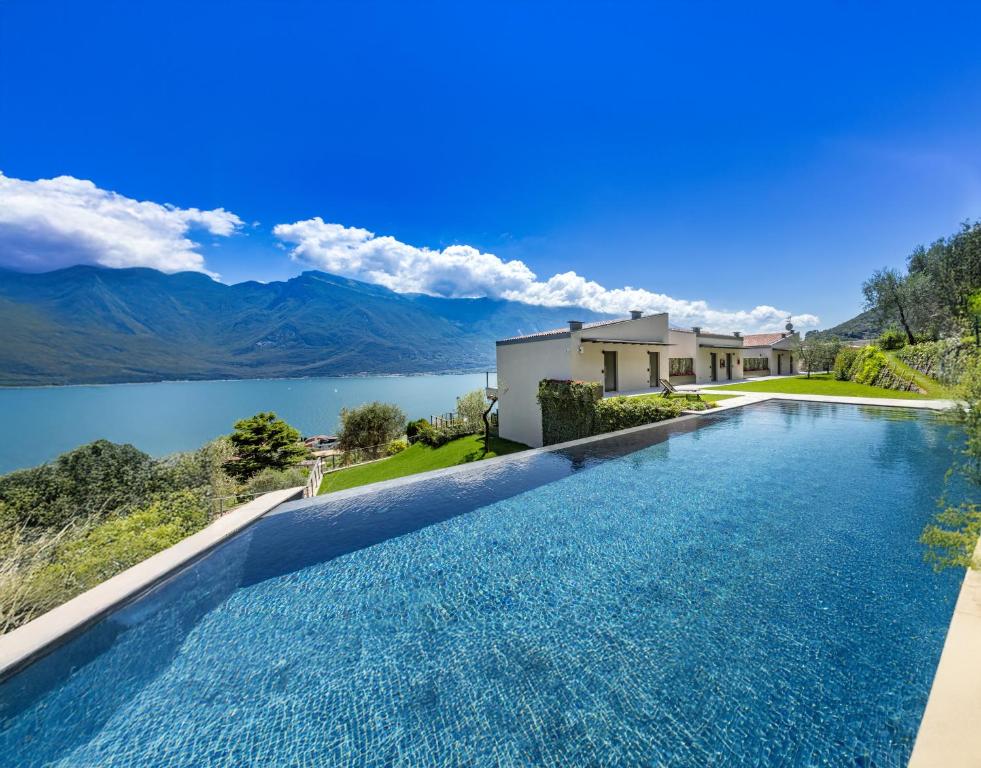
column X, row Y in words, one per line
column 313, row 481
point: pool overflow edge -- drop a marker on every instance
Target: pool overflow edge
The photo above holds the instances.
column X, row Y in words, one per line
column 23, row 646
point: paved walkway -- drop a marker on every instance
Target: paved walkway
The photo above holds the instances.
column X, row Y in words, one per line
column 936, row 405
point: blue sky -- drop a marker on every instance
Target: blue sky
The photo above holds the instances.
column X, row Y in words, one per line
column 724, row 157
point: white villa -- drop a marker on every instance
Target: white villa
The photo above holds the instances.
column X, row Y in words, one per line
column 629, row 356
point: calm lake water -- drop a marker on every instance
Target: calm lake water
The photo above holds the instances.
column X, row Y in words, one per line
column 164, row 417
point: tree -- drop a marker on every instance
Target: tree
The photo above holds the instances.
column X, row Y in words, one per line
column 471, row 406
column 264, row 441
column 817, row 354
column 370, row 426
column 893, row 297
column 953, row 536
column 951, row 269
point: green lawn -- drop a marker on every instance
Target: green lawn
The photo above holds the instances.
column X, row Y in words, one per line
column 419, row 458
column 820, row 384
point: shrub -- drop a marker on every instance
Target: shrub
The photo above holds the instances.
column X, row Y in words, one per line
column 621, row 412
column 397, row 446
column 892, row 338
column 470, row 408
column 844, row 361
column 944, row 360
column 435, row 437
column 568, row 409
column 868, row 364
column 370, row 426
column 276, row 479
column 102, row 551
column 413, row 428
column 95, row 479
column 264, row 441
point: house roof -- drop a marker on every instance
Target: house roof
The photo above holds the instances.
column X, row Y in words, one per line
column 762, row 339
column 558, row 333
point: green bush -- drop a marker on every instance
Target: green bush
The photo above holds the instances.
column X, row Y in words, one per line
column 413, row 428
column 945, row 360
column 868, row 364
column 892, row 338
column 105, row 549
column 470, row 408
column 370, row 426
column 568, row 409
column 95, row 479
column 437, row 436
column 844, row 361
column 397, row 446
column 615, row 413
column 275, row 480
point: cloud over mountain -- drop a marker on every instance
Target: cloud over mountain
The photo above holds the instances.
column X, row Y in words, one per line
column 52, row 223
column 463, row 271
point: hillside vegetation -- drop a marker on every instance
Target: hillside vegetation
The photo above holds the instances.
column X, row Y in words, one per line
column 97, row 325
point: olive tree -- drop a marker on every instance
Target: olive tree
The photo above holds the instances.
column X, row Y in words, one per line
column 370, row 426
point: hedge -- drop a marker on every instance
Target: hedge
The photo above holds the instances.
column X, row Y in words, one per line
column 575, row 409
column 568, row 409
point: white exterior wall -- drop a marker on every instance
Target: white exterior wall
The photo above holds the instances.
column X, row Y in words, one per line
column 520, row 367
column 682, row 345
column 766, row 352
column 703, row 360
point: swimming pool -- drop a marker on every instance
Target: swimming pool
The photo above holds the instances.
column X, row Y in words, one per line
column 739, row 589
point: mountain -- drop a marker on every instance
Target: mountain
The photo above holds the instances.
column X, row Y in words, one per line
column 97, row 325
column 864, row 326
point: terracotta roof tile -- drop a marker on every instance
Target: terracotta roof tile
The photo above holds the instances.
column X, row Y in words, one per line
column 761, row 339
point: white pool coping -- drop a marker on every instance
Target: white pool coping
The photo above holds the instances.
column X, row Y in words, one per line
column 22, row 645
column 950, row 732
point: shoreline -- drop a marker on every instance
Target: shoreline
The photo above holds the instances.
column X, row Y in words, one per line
column 344, row 376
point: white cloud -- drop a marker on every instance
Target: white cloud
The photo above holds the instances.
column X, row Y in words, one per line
column 463, row 271
column 52, row 223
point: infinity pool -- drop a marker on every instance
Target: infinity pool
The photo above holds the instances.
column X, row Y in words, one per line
column 742, row 590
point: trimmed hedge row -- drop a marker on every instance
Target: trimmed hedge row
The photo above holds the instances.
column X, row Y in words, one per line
column 568, row 409
column 576, row 409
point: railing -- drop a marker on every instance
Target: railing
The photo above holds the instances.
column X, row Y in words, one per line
column 313, row 481
column 444, row 419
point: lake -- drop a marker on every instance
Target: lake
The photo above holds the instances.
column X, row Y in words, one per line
column 163, row 417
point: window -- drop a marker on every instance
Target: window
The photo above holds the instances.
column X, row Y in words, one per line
column 756, row 364
column 681, row 366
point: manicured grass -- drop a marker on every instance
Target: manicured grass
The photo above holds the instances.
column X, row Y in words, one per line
column 419, row 458
column 716, row 398
column 705, row 398
column 820, row 384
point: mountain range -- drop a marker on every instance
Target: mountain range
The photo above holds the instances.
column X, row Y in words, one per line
column 866, row 325
column 84, row 325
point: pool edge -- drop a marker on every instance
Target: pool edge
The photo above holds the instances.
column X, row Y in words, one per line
column 23, row 645
column 950, row 730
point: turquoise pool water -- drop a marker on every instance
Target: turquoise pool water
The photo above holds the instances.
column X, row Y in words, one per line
column 746, row 592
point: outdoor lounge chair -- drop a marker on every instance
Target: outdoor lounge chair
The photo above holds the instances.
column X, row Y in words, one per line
column 669, row 390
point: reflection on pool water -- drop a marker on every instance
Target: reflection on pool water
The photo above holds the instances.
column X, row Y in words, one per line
column 744, row 589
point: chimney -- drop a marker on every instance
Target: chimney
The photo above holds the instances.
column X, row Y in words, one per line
column 783, row 335
column 575, row 325
column 636, row 314
column 737, row 334
column 697, row 328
